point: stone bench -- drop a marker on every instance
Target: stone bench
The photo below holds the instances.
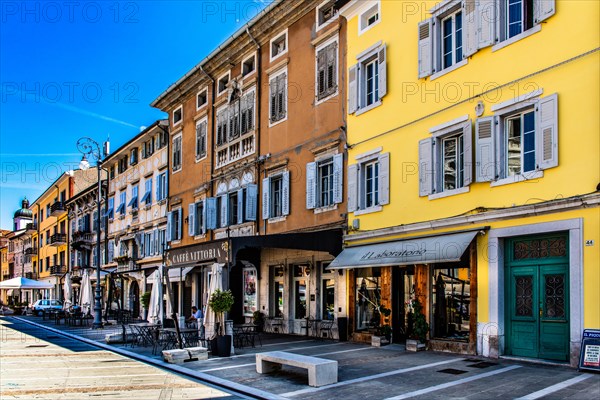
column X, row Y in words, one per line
column 321, row 372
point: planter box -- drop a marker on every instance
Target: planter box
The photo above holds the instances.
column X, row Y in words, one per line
column 378, row 341
column 414, row 345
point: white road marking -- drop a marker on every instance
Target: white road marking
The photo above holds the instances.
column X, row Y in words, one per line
column 555, row 388
column 371, row 377
column 252, row 364
column 453, row 383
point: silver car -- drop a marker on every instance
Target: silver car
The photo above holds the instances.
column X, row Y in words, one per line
column 41, row 306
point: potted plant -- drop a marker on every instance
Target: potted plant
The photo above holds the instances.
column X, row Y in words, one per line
column 383, row 329
column 145, row 299
column 417, row 335
column 258, row 318
column 220, row 303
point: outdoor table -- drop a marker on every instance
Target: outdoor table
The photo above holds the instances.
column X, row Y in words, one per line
column 147, row 333
column 276, row 323
column 245, row 334
column 312, row 327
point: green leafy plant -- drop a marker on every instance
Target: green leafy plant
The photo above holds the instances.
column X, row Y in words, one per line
column 145, row 299
column 420, row 327
column 220, row 303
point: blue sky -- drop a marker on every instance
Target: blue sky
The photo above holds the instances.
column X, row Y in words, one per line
column 91, row 68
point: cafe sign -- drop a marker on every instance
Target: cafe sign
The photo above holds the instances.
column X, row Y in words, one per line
column 198, row 254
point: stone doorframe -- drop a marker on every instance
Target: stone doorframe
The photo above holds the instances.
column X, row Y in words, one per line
column 490, row 335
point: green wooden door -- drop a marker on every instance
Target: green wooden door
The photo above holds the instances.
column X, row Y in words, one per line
column 537, row 312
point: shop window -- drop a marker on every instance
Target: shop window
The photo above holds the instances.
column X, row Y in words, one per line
column 368, row 296
column 300, row 280
column 327, row 292
column 451, row 299
column 250, row 297
column 277, row 296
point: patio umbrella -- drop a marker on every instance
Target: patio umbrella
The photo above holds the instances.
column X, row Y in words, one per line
column 68, row 289
column 209, row 316
column 154, row 314
column 86, row 297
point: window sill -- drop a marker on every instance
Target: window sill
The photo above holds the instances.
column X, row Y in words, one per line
column 528, row 176
column 198, row 237
column 162, row 202
column 449, row 69
column 514, row 39
column 198, row 159
column 277, row 219
column 279, row 121
column 320, row 210
column 448, row 193
column 326, row 99
column 368, row 108
column 368, row 210
column 174, row 171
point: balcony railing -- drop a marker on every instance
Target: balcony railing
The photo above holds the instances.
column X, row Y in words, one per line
column 82, row 237
column 58, row 239
column 124, row 266
column 30, row 228
column 31, row 251
column 57, row 209
column 58, row 270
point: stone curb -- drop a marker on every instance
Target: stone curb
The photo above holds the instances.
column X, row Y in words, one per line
column 219, row 382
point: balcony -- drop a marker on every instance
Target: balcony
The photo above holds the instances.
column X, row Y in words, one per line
column 30, row 228
column 82, row 239
column 58, row 239
column 58, row 270
column 29, row 275
column 31, row 251
column 58, row 209
column 125, row 266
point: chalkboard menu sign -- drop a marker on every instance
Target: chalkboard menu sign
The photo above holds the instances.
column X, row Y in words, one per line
column 590, row 350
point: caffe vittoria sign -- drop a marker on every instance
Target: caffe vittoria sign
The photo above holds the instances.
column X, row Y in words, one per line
column 424, row 250
column 200, row 253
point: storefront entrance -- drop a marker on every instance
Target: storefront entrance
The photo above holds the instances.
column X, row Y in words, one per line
column 537, row 297
column 403, row 290
column 134, row 299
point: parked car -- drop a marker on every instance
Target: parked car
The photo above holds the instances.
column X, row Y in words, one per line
column 41, row 306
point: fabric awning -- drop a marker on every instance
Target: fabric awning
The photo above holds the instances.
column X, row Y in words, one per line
column 424, row 250
column 175, row 274
column 24, row 283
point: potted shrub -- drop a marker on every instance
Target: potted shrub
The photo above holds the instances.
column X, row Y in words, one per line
column 145, row 299
column 383, row 329
column 418, row 334
column 220, row 303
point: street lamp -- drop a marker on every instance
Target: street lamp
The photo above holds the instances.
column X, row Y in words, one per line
column 91, row 149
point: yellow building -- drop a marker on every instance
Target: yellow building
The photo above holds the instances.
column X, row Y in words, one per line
column 474, row 172
column 48, row 253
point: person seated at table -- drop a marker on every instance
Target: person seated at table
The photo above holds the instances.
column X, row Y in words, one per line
column 196, row 317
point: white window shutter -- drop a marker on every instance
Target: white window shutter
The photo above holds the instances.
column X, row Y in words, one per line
column 425, row 48
column 543, row 9
column 486, row 23
column 240, row 206
column 468, row 153
column 180, row 225
column 211, row 213
column 251, row 202
column 485, row 160
column 203, row 227
column 384, row 179
column 311, row 185
column 426, row 167
column 338, row 178
column 285, row 193
column 192, row 219
column 352, row 187
column 353, row 89
column 382, row 63
column 224, row 210
column 470, row 28
column 169, row 226
column 547, row 132
column 266, row 191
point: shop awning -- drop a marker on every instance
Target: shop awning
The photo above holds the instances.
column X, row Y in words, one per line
column 175, row 274
column 424, row 250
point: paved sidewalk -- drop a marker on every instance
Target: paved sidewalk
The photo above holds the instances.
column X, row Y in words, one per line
column 388, row 372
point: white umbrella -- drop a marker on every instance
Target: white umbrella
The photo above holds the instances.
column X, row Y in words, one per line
column 155, row 298
column 86, row 297
column 209, row 316
column 68, row 289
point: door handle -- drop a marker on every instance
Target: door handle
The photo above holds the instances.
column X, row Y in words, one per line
column 541, row 312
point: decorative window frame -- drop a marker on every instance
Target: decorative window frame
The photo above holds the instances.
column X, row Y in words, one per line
column 180, row 109
column 276, row 38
